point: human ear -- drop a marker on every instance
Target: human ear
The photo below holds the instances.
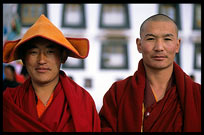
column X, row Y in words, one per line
column 178, row 44
column 138, row 42
column 64, row 56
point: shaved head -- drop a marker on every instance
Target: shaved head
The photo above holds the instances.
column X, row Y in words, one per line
column 158, row 17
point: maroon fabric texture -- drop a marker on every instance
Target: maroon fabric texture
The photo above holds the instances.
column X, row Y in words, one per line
column 72, row 109
column 122, row 105
column 165, row 115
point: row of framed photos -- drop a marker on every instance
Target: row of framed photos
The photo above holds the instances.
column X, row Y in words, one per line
column 112, row 16
column 88, row 82
column 114, row 55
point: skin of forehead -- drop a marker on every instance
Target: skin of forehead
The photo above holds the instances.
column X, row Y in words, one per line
column 161, row 19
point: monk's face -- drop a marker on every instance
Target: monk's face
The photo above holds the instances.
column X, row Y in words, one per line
column 42, row 61
column 158, row 44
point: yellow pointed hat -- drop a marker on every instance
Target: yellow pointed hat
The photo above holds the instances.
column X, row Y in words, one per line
column 78, row 47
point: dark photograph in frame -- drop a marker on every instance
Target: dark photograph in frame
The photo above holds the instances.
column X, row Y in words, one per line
column 73, row 16
column 29, row 13
column 197, row 56
column 88, row 83
column 197, row 17
column 173, row 11
column 73, row 63
column 114, row 16
column 114, row 55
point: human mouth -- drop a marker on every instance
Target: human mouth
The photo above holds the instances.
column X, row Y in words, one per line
column 159, row 58
column 42, row 70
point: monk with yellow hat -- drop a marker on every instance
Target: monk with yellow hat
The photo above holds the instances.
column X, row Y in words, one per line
column 49, row 101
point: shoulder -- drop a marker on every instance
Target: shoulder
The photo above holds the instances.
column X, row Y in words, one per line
column 119, row 87
column 123, row 83
column 78, row 92
column 12, row 92
column 17, row 91
column 195, row 86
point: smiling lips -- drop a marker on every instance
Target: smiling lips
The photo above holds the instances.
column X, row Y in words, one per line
column 42, row 70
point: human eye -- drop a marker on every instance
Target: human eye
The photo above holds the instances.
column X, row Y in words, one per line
column 150, row 38
column 50, row 51
column 33, row 51
column 167, row 39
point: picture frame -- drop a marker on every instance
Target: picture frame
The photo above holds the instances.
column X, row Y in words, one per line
column 114, row 16
column 73, row 63
column 197, row 56
column 114, row 55
column 173, row 11
column 73, row 16
column 88, row 83
column 197, row 16
column 29, row 13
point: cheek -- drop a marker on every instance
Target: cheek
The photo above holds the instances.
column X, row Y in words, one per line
column 146, row 48
column 172, row 49
column 55, row 61
column 29, row 61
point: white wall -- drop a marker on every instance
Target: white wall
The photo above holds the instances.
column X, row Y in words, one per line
column 103, row 79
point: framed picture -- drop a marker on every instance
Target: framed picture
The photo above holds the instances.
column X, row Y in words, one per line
column 114, row 55
column 88, row 83
column 173, row 11
column 73, row 16
column 114, row 16
column 197, row 56
column 29, row 13
column 73, row 63
column 197, row 17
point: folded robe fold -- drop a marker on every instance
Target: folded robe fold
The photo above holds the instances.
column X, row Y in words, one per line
column 122, row 104
column 72, row 109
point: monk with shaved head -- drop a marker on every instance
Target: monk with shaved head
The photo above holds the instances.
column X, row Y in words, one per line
column 160, row 96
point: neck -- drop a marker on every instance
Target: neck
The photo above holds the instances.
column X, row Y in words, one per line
column 44, row 91
column 159, row 79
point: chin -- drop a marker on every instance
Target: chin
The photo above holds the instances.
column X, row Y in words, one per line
column 43, row 81
column 160, row 66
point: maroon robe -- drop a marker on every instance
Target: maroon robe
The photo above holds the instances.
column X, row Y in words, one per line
column 72, row 109
column 167, row 109
column 122, row 105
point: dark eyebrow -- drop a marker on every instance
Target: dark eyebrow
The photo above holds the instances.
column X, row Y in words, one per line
column 51, row 45
column 150, row 35
column 168, row 35
column 31, row 46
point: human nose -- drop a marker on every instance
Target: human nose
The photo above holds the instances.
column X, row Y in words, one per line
column 41, row 58
column 159, row 45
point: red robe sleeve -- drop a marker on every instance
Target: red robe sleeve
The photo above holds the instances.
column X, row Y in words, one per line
column 108, row 113
column 190, row 97
column 122, row 106
column 14, row 118
column 82, row 107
